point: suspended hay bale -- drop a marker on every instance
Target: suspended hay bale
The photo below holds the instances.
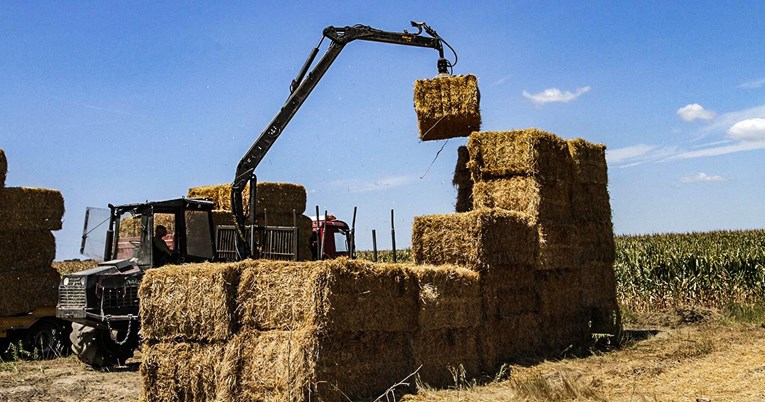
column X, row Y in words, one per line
column 596, row 241
column 173, row 308
column 444, row 353
column 589, row 161
column 461, row 171
column 307, row 365
column 559, row 247
column 3, row 168
column 71, row 266
column 447, row 107
column 24, row 291
column 476, row 240
column 548, row 200
column 182, row 372
column 25, row 249
column 449, row 297
column 590, row 203
column 334, row 295
column 25, row 208
column 530, row 152
column 511, row 339
column 559, row 292
column 464, row 199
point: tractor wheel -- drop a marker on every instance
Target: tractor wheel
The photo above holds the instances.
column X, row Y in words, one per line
column 96, row 348
column 47, row 339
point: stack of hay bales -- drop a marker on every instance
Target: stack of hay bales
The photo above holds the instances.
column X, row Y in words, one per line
column 275, row 206
column 27, row 246
column 300, row 331
column 447, row 107
column 463, row 182
column 539, row 233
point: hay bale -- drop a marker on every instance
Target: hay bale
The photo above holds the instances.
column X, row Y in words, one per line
column 589, row 161
column 559, row 293
column 477, row 239
column 548, row 200
column 596, row 241
column 461, row 171
column 173, row 308
column 447, row 107
column 24, row 291
column 275, row 197
column 72, row 266
column 307, row 365
column 25, row 208
column 182, row 372
column 3, row 168
column 530, row 152
column 464, row 199
column 449, row 297
column 504, row 303
column 20, row 250
column 559, row 247
column 333, row 295
column 509, row 340
column 590, row 203
column 598, row 282
column 444, row 353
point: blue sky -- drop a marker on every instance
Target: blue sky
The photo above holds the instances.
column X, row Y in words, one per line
column 121, row 102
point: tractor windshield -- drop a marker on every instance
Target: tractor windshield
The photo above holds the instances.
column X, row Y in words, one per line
column 134, row 239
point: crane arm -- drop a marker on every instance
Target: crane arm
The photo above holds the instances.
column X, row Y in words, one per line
column 300, row 89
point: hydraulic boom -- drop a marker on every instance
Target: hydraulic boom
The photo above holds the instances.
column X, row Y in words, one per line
column 301, row 87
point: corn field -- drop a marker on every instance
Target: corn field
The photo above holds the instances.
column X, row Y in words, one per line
column 712, row 269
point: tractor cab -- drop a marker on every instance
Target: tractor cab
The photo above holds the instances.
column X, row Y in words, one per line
column 331, row 238
column 186, row 226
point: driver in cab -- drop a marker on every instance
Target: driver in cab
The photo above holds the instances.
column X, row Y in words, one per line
column 161, row 253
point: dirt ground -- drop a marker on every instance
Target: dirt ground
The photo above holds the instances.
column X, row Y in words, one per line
column 713, row 360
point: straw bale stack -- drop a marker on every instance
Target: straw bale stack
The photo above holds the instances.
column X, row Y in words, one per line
column 131, row 227
column 28, row 289
column 173, row 308
column 27, row 249
column 447, row 107
column 476, row 240
column 274, row 197
column 530, row 152
column 3, row 168
column 24, row 208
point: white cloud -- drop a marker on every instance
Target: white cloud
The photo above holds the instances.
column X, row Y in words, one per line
column 555, row 95
column 694, row 111
column 748, row 130
column 638, row 154
column 702, row 177
column 724, row 121
column 383, row 183
column 721, row 150
column 502, row 80
column 752, row 84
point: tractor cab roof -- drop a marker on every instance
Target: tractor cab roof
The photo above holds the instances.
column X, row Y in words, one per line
column 168, row 206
